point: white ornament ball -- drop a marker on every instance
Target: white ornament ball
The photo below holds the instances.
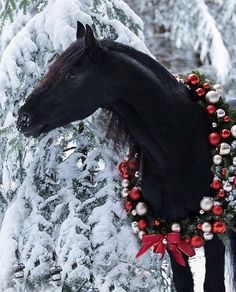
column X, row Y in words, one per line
column 134, row 212
column 212, row 96
column 218, row 87
column 214, row 125
column 141, row 208
column 206, row 227
column 164, row 241
column 208, row 235
column 176, row 227
column 234, row 161
column 224, row 148
column 217, row 159
column 137, row 174
column 206, row 203
column 220, row 113
column 125, row 183
column 233, row 131
column 227, row 187
column 124, row 193
column 141, row 233
column 134, row 225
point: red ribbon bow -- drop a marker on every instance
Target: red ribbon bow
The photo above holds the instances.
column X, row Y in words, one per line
column 172, row 241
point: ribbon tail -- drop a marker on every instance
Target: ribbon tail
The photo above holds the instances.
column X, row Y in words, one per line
column 178, row 256
column 186, row 248
column 143, row 249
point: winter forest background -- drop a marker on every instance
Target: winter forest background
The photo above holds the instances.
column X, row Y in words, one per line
column 62, row 223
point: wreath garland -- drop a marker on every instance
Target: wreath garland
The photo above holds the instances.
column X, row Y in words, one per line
column 216, row 213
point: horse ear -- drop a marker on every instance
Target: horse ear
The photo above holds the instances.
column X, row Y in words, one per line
column 80, row 32
column 90, row 41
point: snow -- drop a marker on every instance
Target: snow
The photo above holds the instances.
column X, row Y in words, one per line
column 55, row 213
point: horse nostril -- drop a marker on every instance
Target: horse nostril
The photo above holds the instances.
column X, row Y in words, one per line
column 24, row 120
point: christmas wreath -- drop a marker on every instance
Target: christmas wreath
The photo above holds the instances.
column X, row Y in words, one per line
column 216, row 213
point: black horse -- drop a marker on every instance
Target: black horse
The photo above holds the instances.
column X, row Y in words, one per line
column 157, row 111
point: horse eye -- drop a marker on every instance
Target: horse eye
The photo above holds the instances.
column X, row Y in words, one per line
column 72, row 75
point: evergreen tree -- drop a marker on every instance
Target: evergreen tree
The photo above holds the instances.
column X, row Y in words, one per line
column 63, row 225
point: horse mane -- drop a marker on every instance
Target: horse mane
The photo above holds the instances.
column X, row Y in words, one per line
column 107, row 119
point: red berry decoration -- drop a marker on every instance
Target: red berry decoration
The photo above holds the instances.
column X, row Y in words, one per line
column 125, row 174
column 217, row 210
column 214, row 139
column 219, row 227
column 199, row 226
column 197, row 241
column 156, row 222
column 128, row 205
column 142, row 224
column 225, row 133
column 224, row 171
column 206, row 85
column 132, row 163
column 211, row 109
column 193, row 79
column 122, row 167
column 200, row 91
column 216, row 184
column 188, row 239
column 135, row 193
column 221, row 194
column 226, row 119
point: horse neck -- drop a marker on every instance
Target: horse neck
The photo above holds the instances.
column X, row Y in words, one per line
column 171, row 130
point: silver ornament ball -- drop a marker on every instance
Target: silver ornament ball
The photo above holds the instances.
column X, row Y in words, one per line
column 227, row 187
column 224, row 148
column 141, row 208
column 125, row 183
column 233, row 131
column 134, row 225
column 212, row 96
column 206, row 227
column 206, row 203
column 176, row 227
column 124, row 193
column 141, row 233
column 208, row 235
column 217, row 159
column 220, row 113
column 234, row 161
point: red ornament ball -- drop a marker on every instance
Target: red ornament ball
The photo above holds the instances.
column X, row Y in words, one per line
column 193, row 79
column 214, row 139
column 234, row 181
column 197, row 241
column 122, row 167
column 225, row 133
column 132, row 163
column 211, row 109
column 217, row 210
column 200, row 91
column 216, row 184
column 206, row 85
column 142, row 224
column 226, row 119
column 221, row 194
column 125, row 174
column 135, row 193
column 219, row 227
column 128, row 205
